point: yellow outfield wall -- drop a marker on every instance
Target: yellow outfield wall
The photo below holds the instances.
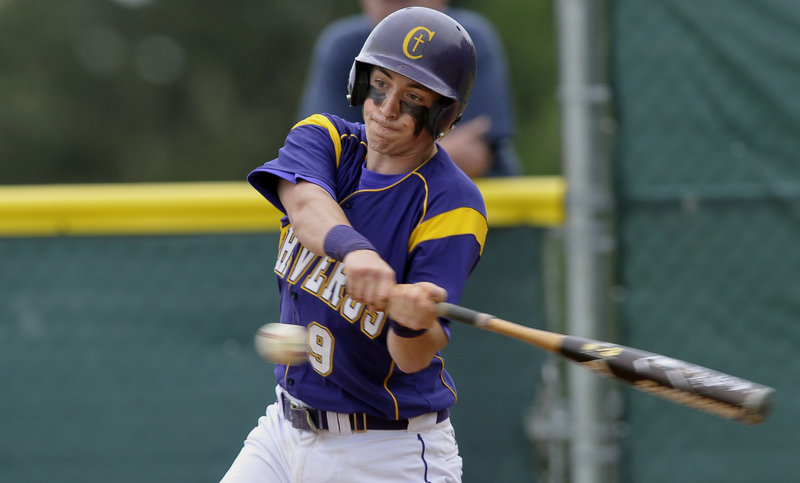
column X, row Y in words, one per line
column 221, row 207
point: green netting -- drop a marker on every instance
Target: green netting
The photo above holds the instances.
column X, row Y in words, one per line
column 709, row 227
column 130, row 359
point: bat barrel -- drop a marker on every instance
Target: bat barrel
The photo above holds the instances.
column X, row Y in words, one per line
column 751, row 406
column 758, row 405
column 675, row 380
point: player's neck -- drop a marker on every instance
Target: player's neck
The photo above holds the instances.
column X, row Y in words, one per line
column 398, row 163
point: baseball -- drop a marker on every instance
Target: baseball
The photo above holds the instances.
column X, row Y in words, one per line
column 281, row 343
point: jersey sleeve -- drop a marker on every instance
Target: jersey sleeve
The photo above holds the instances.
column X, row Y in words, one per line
column 312, row 152
column 446, row 246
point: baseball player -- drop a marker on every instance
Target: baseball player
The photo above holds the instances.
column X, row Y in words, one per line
column 380, row 225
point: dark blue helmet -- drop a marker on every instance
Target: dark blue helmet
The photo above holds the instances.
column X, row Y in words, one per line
column 428, row 47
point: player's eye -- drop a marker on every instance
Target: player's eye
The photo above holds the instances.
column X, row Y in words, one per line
column 415, row 97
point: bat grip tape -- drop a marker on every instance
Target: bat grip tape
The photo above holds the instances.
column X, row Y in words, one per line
column 463, row 314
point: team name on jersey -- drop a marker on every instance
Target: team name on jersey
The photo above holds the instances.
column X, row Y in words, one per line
column 324, row 278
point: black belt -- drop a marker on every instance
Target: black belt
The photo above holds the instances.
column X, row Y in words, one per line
column 311, row 419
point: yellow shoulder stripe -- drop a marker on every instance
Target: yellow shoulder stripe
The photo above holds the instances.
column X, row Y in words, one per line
column 320, row 120
column 461, row 221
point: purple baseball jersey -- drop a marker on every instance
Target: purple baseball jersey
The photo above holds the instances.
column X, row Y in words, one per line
column 428, row 225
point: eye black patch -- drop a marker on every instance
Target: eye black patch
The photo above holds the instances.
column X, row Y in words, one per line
column 418, row 113
column 377, row 96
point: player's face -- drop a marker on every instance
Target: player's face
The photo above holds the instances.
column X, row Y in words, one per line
column 395, row 112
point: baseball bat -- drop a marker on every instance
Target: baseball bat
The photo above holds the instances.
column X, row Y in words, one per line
column 678, row 381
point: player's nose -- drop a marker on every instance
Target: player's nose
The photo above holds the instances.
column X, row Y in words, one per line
column 390, row 107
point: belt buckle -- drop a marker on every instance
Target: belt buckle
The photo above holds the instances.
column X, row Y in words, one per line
column 300, row 417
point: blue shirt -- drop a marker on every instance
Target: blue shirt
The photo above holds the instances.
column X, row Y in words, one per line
column 428, row 225
column 339, row 44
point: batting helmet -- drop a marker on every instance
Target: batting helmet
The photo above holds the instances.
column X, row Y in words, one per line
column 428, row 47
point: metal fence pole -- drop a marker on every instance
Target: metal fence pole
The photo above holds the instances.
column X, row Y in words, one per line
column 582, row 94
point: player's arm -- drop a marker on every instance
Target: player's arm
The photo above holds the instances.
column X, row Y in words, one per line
column 416, row 334
column 440, row 266
column 311, row 211
column 322, row 227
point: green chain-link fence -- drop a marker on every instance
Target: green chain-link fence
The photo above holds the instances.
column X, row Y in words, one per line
column 709, row 223
column 130, row 359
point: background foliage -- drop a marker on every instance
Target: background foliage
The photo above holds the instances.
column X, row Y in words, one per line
column 170, row 90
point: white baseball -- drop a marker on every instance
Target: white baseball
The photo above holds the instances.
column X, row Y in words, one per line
column 282, row 343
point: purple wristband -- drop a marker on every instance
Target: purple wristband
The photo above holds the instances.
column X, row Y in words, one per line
column 406, row 332
column 343, row 239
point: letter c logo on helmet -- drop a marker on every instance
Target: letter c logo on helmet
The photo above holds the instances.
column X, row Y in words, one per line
column 415, row 41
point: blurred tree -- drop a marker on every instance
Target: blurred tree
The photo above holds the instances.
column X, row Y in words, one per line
column 158, row 90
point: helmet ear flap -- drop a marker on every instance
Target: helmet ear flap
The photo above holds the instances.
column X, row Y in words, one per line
column 358, row 84
column 442, row 117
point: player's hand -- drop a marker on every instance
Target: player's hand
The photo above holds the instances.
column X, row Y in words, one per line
column 414, row 305
column 369, row 278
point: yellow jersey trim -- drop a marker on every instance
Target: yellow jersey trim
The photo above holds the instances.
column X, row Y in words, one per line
column 461, row 221
column 386, row 386
column 441, row 376
column 320, row 120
